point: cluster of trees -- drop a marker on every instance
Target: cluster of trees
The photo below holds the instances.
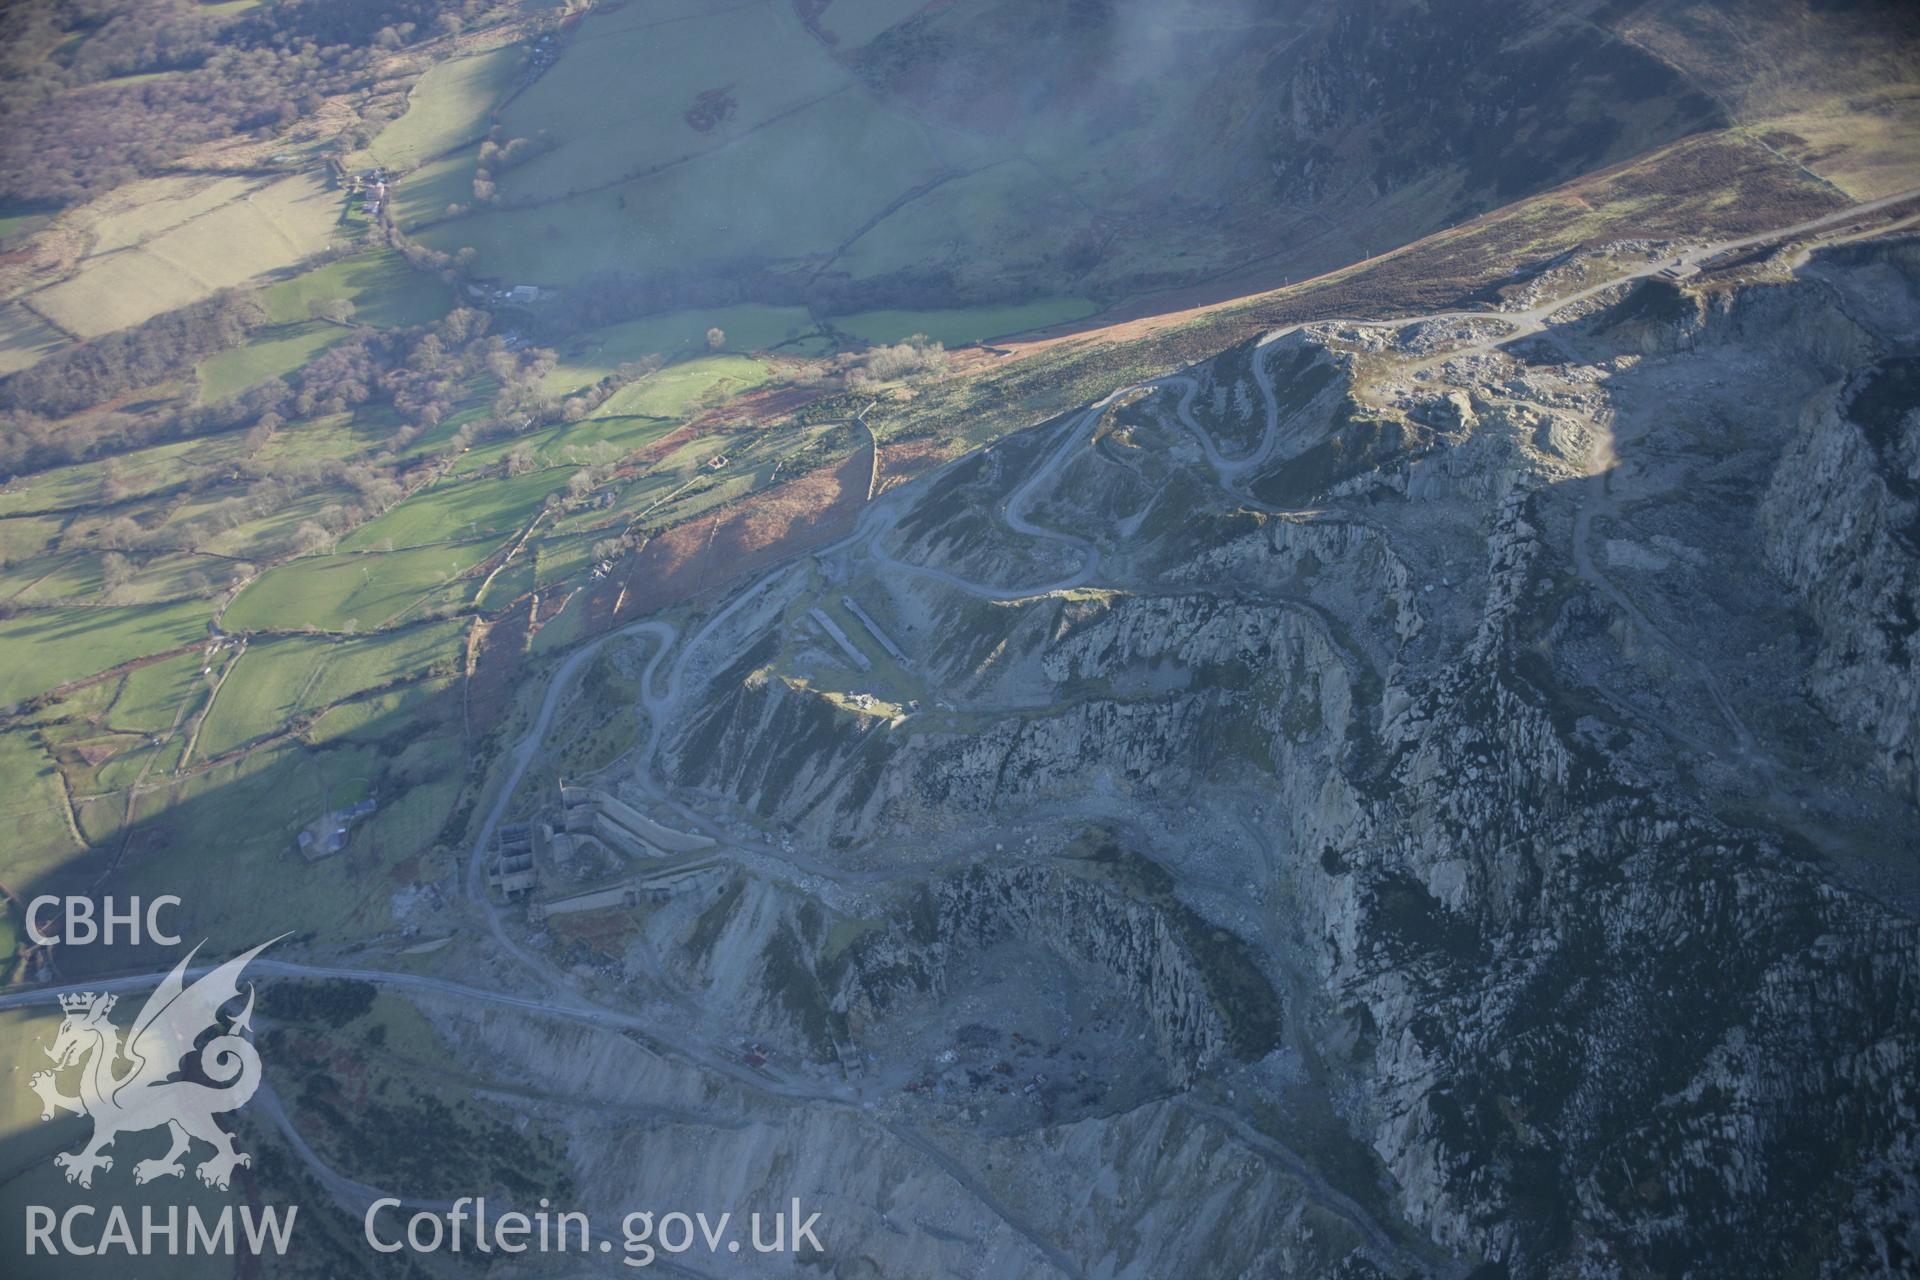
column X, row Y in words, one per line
column 415, row 372
column 133, row 40
column 252, row 491
column 915, row 360
column 73, row 125
column 166, row 346
column 918, row 357
column 497, row 157
column 333, row 1002
column 37, row 430
column 381, row 23
column 419, row 372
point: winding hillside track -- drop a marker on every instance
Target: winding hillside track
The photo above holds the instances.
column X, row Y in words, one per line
column 521, row 756
column 766, row 1080
column 575, row 1009
column 879, row 518
column 1073, row 437
column 662, row 704
column 355, row 1197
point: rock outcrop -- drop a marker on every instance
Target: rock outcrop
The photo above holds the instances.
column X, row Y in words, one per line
column 1540, row 722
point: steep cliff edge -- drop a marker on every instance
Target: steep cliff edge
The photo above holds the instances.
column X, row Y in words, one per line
column 1499, row 738
column 1843, row 529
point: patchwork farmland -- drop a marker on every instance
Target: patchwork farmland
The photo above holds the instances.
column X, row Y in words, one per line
column 1276, row 621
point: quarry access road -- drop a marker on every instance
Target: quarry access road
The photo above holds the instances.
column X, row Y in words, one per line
column 1013, row 515
column 576, row 1009
column 521, row 756
column 764, row 1081
column 663, row 704
column 528, row 747
column 567, row 1003
column 881, row 514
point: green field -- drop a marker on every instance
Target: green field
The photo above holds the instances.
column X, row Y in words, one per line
column 447, row 108
column 964, row 325
column 262, row 690
column 731, row 138
column 177, row 242
column 644, row 76
column 799, row 187
column 51, row 489
column 27, row 551
column 61, row 576
column 590, row 441
column 164, row 577
column 562, row 555
column 603, row 438
column 368, row 663
column 734, row 138
column 423, row 195
column 15, row 224
column 34, row 809
column 1012, row 217
column 351, row 592
column 459, row 509
column 600, row 352
column 143, row 211
column 49, row 647
column 141, row 471
column 384, row 290
column 151, row 697
column 271, row 353
column 27, row 537
column 232, row 830
column 378, row 714
column 679, row 389
column 277, row 679
column 24, row 338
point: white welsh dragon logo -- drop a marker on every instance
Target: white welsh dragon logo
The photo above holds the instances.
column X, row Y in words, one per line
column 150, row 1092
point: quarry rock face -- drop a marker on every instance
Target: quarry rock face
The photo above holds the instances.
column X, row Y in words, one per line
column 1842, row 521
column 1468, row 819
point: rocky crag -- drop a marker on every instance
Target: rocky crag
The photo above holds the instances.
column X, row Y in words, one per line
column 1463, row 770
